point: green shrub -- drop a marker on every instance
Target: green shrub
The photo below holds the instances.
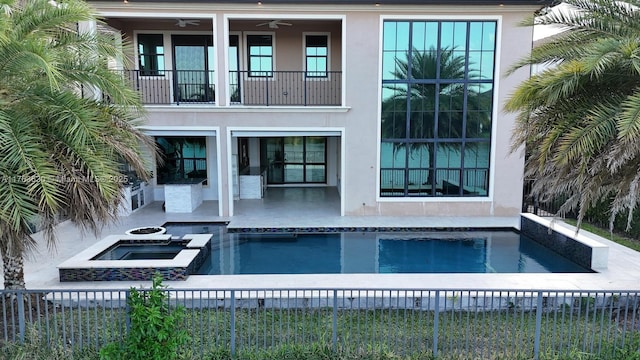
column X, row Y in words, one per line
column 154, row 333
column 600, row 214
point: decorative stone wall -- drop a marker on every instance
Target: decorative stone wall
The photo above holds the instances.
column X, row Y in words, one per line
column 182, row 198
column 578, row 248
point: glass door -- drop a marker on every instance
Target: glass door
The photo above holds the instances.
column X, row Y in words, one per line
column 295, row 159
column 315, row 159
column 272, row 154
column 193, row 57
column 234, row 68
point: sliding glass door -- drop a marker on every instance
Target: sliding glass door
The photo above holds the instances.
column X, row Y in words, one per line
column 295, row 159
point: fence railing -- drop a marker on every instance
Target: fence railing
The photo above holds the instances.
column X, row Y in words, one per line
column 266, row 88
column 478, row 324
column 438, row 182
column 284, row 88
column 533, row 204
column 173, row 86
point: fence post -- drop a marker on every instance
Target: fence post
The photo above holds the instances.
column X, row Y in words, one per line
column 21, row 326
column 334, row 338
column 127, row 322
column 536, row 343
column 436, row 319
column 304, row 90
column 233, row 323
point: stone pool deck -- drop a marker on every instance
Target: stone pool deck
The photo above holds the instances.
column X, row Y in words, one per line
column 622, row 272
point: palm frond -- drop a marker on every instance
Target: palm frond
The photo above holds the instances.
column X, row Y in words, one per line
column 63, row 148
column 580, row 118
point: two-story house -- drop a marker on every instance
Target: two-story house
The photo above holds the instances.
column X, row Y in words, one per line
column 394, row 104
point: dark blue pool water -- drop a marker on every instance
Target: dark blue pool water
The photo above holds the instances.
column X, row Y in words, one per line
column 375, row 252
column 139, row 251
column 183, row 228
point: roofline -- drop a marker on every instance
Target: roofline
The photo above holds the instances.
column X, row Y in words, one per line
column 541, row 3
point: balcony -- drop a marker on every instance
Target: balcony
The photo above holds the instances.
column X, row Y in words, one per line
column 158, row 87
column 267, row 88
column 285, row 88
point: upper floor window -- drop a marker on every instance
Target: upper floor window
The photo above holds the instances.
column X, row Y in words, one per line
column 316, row 55
column 260, row 50
column 151, row 54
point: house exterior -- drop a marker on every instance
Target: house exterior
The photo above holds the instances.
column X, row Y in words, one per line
column 395, row 104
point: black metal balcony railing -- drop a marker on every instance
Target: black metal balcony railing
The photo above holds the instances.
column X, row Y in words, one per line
column 272, row 88
column 173, row 86
column 419, row 182
column 289, row 88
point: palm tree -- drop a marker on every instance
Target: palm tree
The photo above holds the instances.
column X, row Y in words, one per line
column 424, row 65
column 421, row 99
column 580, row 118
column 59, row 147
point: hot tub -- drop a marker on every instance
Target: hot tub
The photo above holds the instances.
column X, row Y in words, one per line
column 138, row 257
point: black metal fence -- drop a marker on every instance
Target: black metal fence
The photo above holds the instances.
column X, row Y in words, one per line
column 272, row 88
column 478, row 324
column 173, row 86
column 283, row 88
column 434, row 182
column 533, row 204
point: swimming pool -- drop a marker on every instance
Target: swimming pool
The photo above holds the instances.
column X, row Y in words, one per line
column 380, row 252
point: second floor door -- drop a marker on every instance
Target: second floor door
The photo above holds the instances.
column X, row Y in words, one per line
column 193, row 63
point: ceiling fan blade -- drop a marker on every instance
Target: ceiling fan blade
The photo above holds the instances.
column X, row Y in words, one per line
column 273, row 24
column 185, row 22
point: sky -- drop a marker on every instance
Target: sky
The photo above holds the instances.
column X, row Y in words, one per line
column 543, row 31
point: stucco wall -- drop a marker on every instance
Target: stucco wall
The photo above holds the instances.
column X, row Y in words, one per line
column 360, row 115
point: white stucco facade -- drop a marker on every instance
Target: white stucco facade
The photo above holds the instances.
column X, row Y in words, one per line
column 352, row 125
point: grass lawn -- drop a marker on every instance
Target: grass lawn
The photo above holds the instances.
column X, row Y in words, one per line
column 605, row 233
column 575, row 330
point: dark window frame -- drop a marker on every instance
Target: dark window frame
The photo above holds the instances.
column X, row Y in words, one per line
column 149, row 52
column 253, row 40
column 317, row 74
column 173, row 168
column 406, row 141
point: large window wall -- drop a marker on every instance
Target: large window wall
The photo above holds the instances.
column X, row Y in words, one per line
column 437, row 96
column 295, row 159
column 182, row 158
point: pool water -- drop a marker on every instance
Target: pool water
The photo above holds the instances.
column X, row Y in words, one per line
column 377, row 252
column 139, row 251
column 180, row 229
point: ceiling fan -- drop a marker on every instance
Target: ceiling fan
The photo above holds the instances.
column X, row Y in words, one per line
column 274, row 24
column 184, row 23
